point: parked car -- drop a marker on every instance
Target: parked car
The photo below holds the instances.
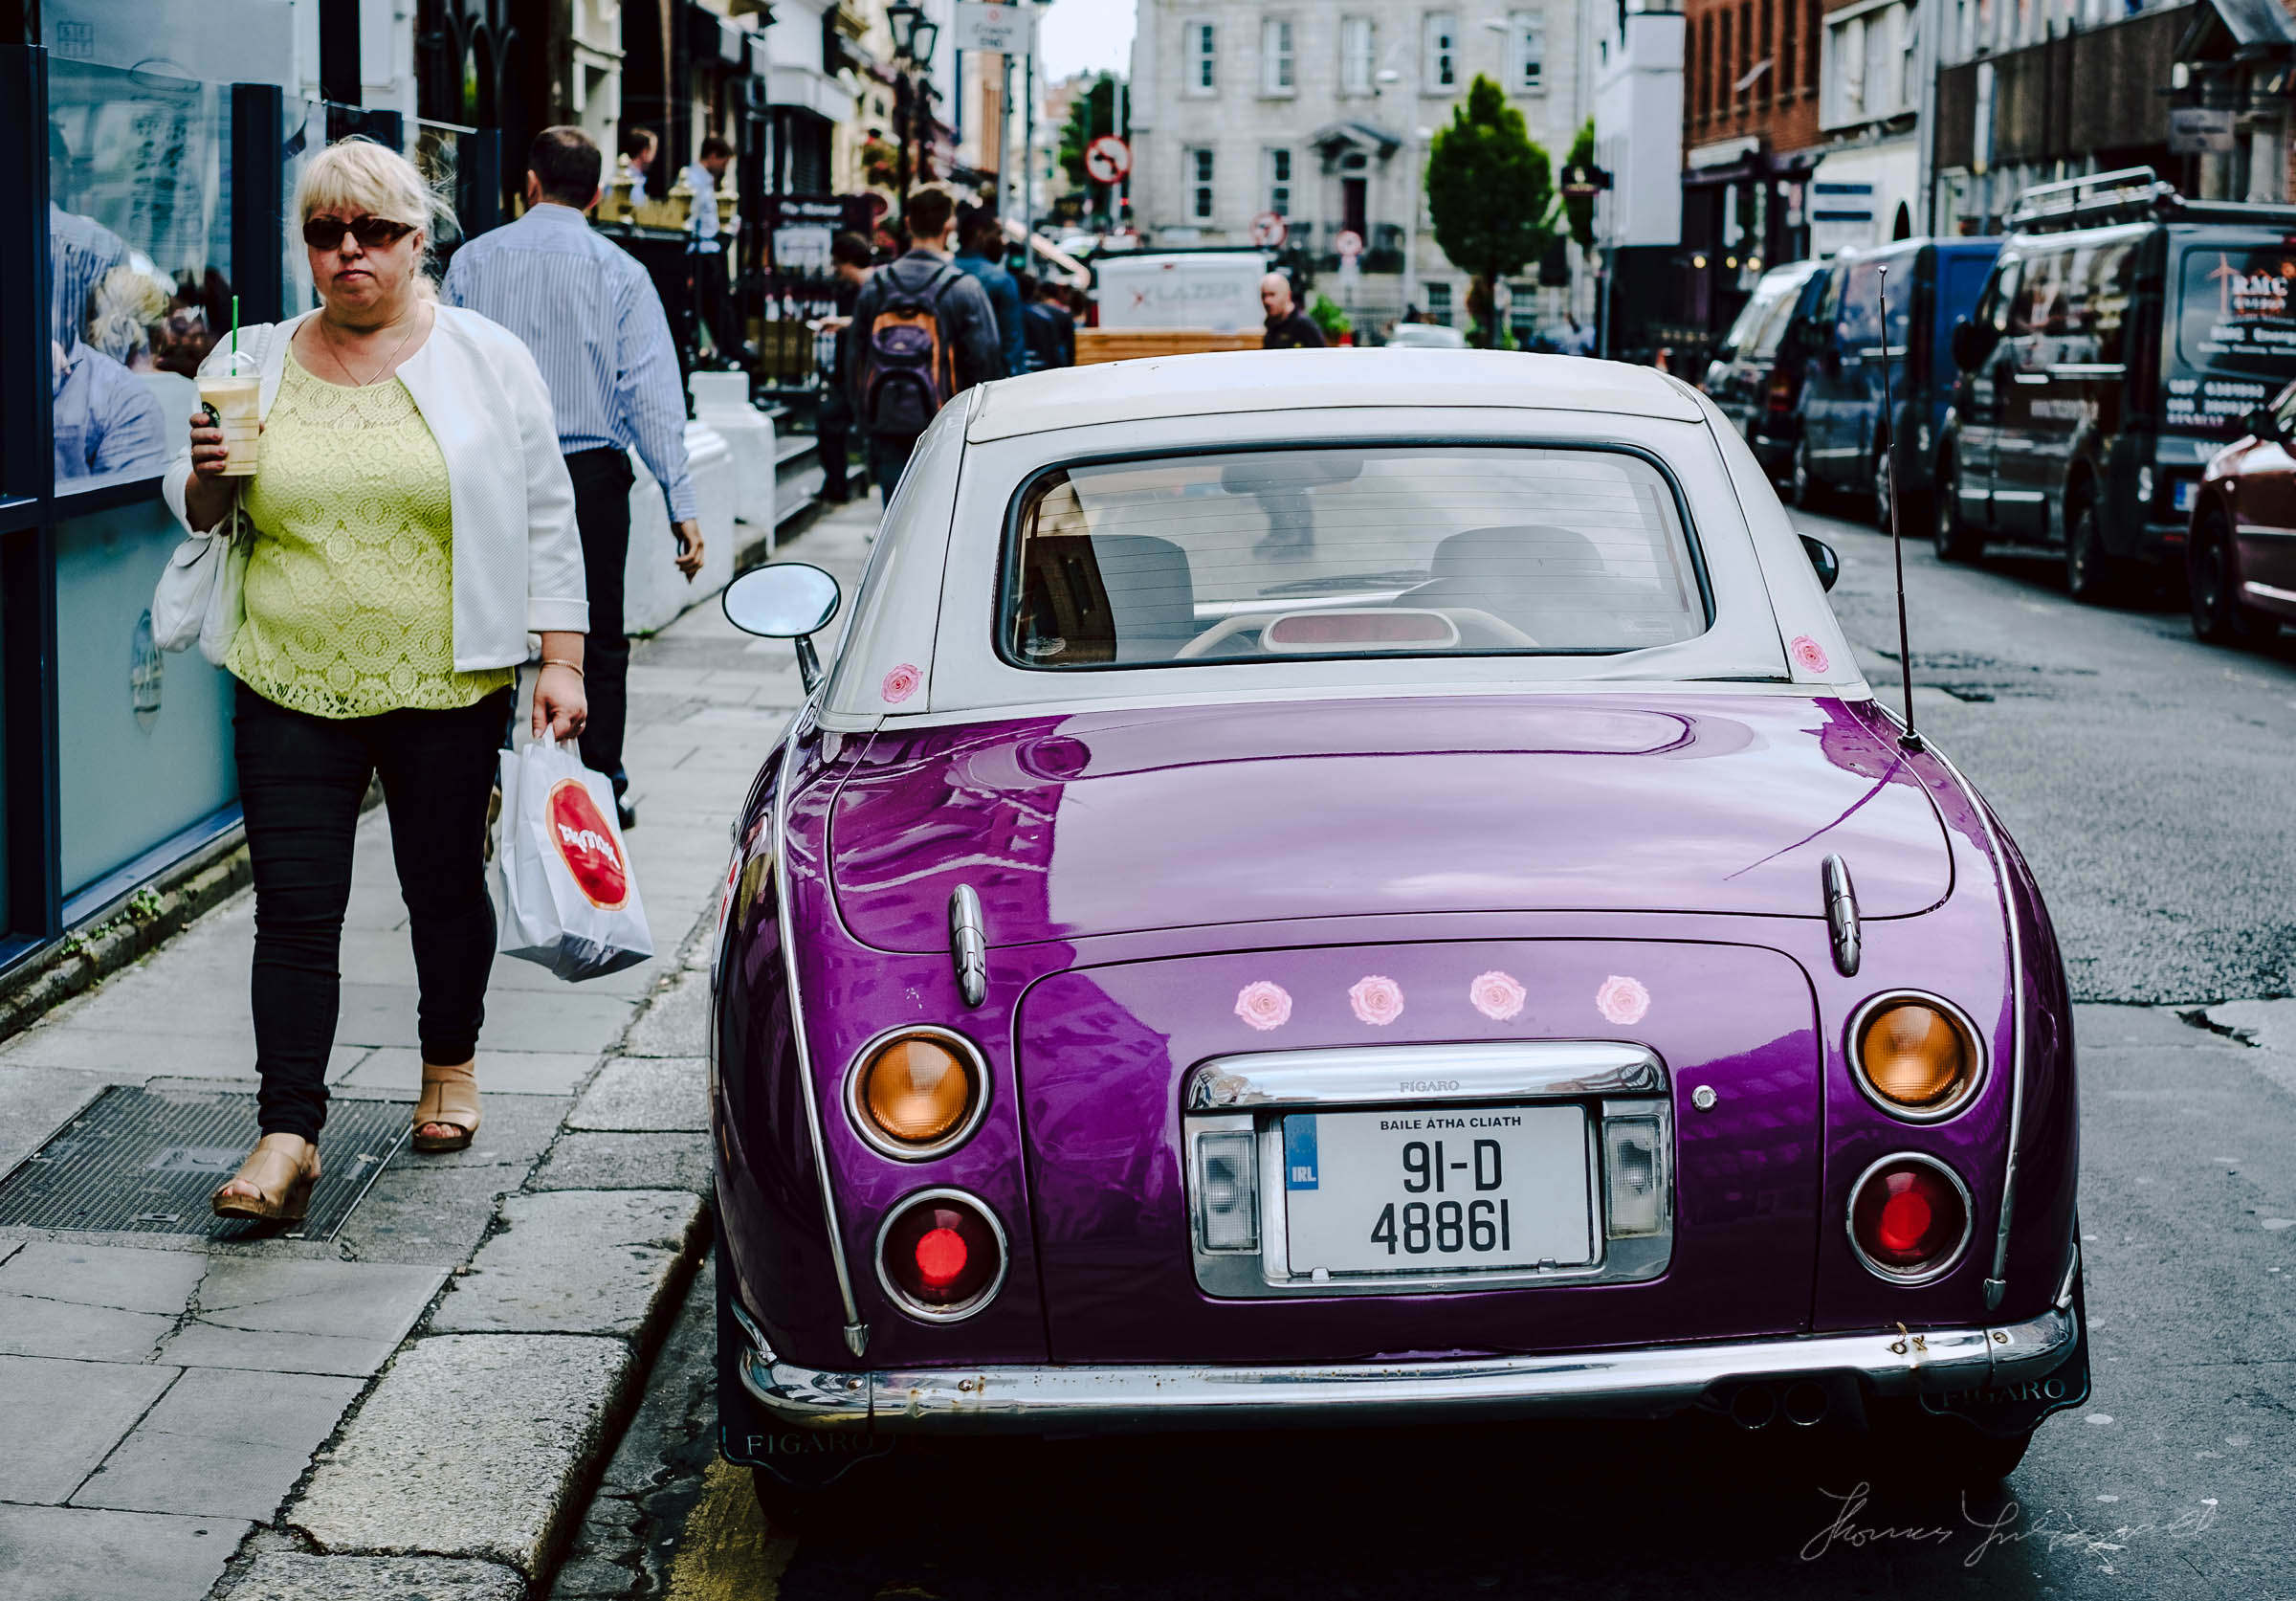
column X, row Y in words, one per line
column 1932, row 284
column 2241, row 558
column 1426, row 336
column 1755, row 377
column 1370, row 890
column 2123, row 335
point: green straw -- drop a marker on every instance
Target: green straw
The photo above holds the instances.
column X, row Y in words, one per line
column 234, row 326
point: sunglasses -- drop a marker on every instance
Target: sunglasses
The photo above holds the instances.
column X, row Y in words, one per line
column 371, row 232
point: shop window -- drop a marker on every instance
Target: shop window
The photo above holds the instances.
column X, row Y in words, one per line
column 138, row 259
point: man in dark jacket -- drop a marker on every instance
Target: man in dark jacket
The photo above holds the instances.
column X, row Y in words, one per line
column 1288, row 328
column 1052, row 330
column 966, row 330
column 980, row 253
column 851, row 261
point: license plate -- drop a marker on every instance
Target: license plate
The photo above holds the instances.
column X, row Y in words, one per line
column 2187, row 492
column 1437, row 1191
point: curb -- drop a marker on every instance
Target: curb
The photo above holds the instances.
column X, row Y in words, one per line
column 549, row 1379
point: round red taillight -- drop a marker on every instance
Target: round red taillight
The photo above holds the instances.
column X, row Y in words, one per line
column 941, row 1255
column 1909, row 1218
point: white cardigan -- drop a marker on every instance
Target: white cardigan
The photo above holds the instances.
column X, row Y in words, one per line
column 517, row 557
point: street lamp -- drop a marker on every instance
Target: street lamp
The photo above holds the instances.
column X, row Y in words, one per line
column 913, row 37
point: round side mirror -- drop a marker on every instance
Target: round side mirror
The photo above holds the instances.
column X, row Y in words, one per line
column 782, row 600
column 1968, row 346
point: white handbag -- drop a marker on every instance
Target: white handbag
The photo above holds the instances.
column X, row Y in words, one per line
column 201, row 595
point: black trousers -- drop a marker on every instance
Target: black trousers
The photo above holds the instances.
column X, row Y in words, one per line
column 888, row 456
column 301, row 779
column 602, row 480
column 714, row 304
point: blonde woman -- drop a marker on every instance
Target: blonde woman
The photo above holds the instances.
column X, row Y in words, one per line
column 411, row 522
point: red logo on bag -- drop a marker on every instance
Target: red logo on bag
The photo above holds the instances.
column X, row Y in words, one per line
column 587, row 843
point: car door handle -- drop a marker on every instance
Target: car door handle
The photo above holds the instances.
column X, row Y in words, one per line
column 2031, row 377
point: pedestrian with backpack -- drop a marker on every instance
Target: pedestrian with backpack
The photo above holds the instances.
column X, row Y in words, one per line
column 922, row 332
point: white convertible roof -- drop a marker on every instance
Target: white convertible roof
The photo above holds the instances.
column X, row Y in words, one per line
column 1320, row 380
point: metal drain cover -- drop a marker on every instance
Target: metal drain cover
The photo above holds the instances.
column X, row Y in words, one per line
column 145, row 1161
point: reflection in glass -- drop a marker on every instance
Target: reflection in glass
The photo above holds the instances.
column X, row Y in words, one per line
column 140, row 257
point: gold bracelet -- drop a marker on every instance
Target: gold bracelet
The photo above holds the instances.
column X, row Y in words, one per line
column 575, row 667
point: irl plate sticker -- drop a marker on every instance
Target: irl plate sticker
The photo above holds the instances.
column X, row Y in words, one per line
column 1299, row 1151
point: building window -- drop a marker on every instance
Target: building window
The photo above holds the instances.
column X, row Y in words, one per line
column 1439, row 303
column 1199, row 184
column 1871, row 71
column 1786, row 40
column 1357, row 60
column 1767, row 82
column 1204, row 57
column 1526, row 49
column 1440, row 72
column 1813, row 32
column 1706, row 65
column 1279, row 182
column 1276, row 57
column 1722, row 75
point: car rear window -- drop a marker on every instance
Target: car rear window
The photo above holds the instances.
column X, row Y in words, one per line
column 1328, row 551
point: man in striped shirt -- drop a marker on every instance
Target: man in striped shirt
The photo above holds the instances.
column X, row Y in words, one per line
column 589, row 314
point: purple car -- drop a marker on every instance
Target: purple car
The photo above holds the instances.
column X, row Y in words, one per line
column 1369, row 887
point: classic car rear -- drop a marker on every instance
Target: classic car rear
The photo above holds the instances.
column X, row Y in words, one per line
column 1389, row 902
column 2241, row 561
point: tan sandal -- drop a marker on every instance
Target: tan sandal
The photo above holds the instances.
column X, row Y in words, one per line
column 282, row 1169
column 450, row 1096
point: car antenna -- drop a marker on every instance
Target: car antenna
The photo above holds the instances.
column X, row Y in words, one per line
column 1909, row 740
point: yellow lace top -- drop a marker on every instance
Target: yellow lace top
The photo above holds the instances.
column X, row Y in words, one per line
column 350, row 586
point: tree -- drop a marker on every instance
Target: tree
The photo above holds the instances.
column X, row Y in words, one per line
column 1581, row 211
column 1490, row 194
column 1091, row 115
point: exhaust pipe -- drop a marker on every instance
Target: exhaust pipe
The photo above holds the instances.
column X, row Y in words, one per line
column 1805, row 1404
column 1753, row 1407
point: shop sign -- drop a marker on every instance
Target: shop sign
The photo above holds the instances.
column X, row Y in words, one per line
column 2197, row 130
column 999, row 29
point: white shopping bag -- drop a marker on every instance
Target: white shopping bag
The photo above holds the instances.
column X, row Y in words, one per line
column 569, row 897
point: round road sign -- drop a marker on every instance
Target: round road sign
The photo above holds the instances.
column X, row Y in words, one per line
column 1269, row 230
column 1107, row 159
column 1348, row 243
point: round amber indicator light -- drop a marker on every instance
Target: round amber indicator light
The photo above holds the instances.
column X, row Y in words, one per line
column 1918, row 1058
column 916, row 1090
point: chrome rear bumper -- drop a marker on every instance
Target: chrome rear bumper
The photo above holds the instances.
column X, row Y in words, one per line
column 1649, row 1382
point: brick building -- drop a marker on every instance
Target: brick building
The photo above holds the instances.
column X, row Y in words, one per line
column 1749, row 131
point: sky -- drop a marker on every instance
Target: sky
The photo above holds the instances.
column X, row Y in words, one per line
column 1085, row 35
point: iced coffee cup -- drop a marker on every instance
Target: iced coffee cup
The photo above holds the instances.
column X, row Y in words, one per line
column 234, row 398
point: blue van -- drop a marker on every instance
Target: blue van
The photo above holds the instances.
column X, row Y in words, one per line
column 1933, row 283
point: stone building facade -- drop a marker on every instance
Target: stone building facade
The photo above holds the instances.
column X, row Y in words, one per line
column 1320, row 111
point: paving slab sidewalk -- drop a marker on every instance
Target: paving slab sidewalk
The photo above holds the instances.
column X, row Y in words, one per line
column 418, row 1405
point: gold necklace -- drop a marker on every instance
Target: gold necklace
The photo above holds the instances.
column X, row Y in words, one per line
column 345, row 368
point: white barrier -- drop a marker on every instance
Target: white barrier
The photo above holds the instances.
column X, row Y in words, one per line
column 654, row 590
column 721, row 399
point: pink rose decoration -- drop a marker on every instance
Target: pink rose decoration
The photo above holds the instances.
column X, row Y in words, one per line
column 1623, row 1000
column 901, row 683
column 1377, row 1001
column 1496, row 996
column 1264, row 1005
column 1810, row 653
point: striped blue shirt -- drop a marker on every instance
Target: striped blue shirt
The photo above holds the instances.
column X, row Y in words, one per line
column 589, row 314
